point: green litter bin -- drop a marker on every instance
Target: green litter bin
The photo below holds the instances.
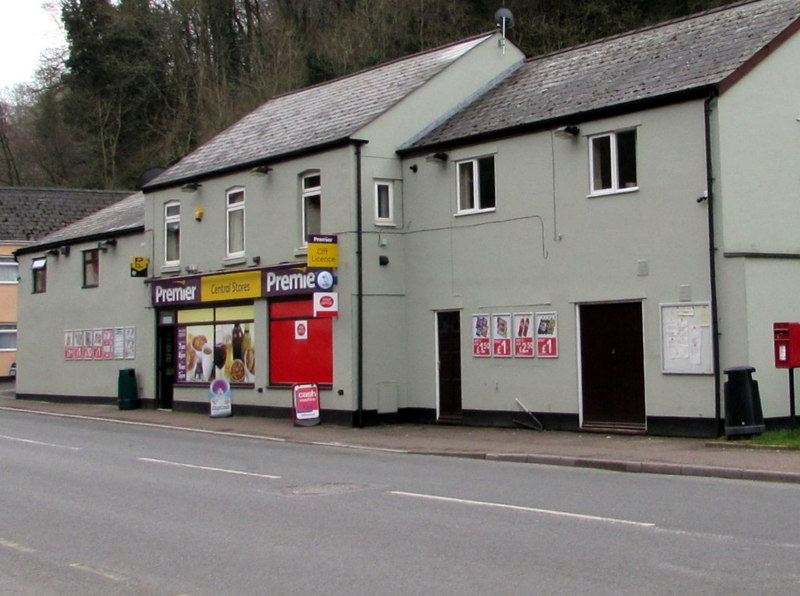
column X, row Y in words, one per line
column 127, row 392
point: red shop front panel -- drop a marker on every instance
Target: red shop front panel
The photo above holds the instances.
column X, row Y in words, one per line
column 300, row 346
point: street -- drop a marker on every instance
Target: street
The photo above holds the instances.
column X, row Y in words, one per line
column 91, row 507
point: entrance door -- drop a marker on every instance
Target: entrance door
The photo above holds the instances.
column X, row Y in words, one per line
column 448, row 325
column 612, row 367
column 165, row 362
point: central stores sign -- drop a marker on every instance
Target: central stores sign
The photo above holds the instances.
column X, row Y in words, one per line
column 284, row 280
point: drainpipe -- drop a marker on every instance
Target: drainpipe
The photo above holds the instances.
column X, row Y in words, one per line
column 359, row 420
column 712, row 263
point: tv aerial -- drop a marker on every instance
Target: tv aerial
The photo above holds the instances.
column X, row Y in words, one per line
column 504, row 21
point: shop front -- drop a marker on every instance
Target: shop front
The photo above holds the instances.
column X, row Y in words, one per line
column 257, row 329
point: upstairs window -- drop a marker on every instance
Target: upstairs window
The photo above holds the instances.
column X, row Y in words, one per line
column 9, row 270
column 311, row 206
column 39, row 270
column 612, row 162
column 235, row 225
column 172, row 233
column 91, row 268
column 475, row 185
column 384, row 203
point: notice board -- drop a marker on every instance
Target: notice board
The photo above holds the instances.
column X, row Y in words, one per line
column 686, row 338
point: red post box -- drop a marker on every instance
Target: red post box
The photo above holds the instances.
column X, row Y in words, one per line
column 786, row 339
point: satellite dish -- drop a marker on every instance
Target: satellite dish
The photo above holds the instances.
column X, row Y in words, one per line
column 148, row 176
column 504, row 19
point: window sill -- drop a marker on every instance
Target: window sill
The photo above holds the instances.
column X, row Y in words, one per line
column 616, row 191
column 385, row 224
column 240, row 260
column 474, row 212
column 301, row 252
column 170, row 269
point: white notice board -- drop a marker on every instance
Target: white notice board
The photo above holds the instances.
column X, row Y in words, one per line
column 686, row 338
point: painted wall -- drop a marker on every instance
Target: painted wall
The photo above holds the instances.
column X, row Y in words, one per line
column 549, row 247
column 119, row 301
column 8, row 309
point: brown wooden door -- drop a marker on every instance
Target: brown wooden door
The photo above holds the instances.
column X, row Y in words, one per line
column 448, row 326
column 612, row 367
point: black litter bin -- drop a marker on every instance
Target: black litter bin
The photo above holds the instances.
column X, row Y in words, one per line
column 127, row 392
column 743, row 414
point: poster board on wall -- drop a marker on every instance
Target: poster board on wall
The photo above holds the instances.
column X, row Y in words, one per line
column 686, row 338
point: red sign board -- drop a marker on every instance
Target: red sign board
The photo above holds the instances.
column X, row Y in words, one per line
column 305, row 397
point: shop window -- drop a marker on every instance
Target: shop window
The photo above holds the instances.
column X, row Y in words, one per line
column 91, row 268
column 612, row 162
column 9, row 270
column 311, row 205
column 476, row 186
column 39, row 270
column 384, row 203
column 216, row 343
column 235, row 222
column 8, row 337
column 300, row 345
column 172, row 233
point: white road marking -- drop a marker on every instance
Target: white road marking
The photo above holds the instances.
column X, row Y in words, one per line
column 521, row 508
column 207, row 468
column 32, row 442
column 102, row 573
column 17, row 547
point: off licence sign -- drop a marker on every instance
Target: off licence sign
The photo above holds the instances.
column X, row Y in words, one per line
column 323, row 251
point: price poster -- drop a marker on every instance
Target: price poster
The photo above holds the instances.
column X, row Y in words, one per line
column 501, row 336
column 523, row 335
column 481, row 340
column 547, row 335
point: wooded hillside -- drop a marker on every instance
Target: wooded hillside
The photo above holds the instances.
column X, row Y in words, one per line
column 143, row 82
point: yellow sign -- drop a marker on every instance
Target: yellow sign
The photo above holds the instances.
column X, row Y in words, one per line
column 323, row 251
column 139, row 266
column 231, row 286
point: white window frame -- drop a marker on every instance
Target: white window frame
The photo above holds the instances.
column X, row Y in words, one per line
column 232, row 209
column 172, row 218
column 307, row 193
column 10, row 264
column 616, row 187
column 9, row 329
column 389, row 219
column 476, row 199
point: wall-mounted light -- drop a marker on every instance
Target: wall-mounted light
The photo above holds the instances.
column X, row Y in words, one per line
column 256, row 260
column 413, row 167
column 191, row 187
column 53, row 251
column 199, row 213
column 64, row 250
column 437, row 158
column 383, row 260
column 261, row 170
column 567, row 132
column 191, row 269
column 105, row 244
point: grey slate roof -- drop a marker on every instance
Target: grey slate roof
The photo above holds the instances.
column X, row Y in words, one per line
column 27, row 214
column 122, row 217
column 676, row 57
column 315, row 116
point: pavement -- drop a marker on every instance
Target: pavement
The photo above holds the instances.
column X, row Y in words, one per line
column 719, row 458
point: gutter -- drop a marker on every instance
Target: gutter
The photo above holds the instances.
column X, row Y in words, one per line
column 359, row 419
column 712, row 261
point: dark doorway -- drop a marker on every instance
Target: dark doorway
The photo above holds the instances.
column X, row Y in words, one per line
column 612, row 367
column 448, row 326
column 165, row 360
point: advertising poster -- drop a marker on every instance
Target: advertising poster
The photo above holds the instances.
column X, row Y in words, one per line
column 481, row 340
column 69, row 349
column 501, row 336
column 220, row 398
column 108, row 344
column 130, row 343
column 546, row 335
column 523, row 335
column 97, row 344
column 222, row 351
column 119, row 344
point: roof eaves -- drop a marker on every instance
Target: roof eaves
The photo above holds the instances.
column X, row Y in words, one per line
column 38, row 247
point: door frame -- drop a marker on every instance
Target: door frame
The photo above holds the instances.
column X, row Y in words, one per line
column 579, row 354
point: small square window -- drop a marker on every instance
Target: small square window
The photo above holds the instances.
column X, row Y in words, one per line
column 475, row 185
column 613, row 162
column 384, row 202
column 91, row 268
column 9, row 270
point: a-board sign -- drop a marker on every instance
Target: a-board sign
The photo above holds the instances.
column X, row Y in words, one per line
column 305, row 400
column 219, row 394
